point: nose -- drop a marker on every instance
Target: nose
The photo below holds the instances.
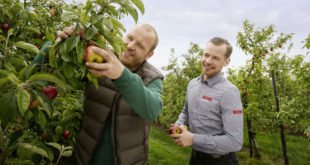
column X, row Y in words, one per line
column 131, row 45
column 207, row 60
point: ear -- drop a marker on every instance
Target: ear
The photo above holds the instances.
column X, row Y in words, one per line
column 227, row 61
column 150, row 54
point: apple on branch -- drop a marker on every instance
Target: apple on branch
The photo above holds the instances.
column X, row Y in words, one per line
column 66, row 134
column 91, row 56
column 5, row 26
column 50, row 92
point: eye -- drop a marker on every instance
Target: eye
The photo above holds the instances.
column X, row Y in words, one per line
column 140, row 46
column 130, row 38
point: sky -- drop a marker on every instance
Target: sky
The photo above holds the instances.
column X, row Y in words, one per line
column 180, row 22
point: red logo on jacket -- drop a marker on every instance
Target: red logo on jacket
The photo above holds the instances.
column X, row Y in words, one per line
column 208, row 98
column 237, row 111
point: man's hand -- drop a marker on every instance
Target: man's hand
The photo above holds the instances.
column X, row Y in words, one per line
column 111, row 68
column 67, row 32
column 184, row 139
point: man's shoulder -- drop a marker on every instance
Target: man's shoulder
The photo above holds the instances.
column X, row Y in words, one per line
column 152, row 69
column 195, row 80
column 229, row 85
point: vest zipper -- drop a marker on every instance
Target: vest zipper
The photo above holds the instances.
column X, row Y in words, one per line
column 113, row 121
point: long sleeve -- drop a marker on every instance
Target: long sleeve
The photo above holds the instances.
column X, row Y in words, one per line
column 144, row 100
column 183, row 117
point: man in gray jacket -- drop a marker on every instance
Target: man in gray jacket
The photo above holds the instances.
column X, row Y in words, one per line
column 213, row 111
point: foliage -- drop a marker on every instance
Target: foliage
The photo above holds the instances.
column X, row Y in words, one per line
column 268, row 54
column 181, row 70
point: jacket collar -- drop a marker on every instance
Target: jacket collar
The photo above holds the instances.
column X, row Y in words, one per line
column 212, row 80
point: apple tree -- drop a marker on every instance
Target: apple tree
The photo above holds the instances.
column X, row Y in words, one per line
column 269, row 81
column 40, row 88
column 181, row 69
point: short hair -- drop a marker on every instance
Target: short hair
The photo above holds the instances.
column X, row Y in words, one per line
column 150, row 28
column 220, row 41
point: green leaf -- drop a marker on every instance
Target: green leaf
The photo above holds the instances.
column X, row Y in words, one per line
column 4, row 81
column 88, row 6
column 34, row 149
column 51, row 57
column 23, row 153
column 97, row 18
column 2, row 38
column 72, row 42
column 68, row 70
column 132, row 11
column 50, row 78
column 27, row 71
column 80, row 52
column 139, row 4
column 23, row 100
column 10, row 110
column 27, row 46
column 93, row 79
column 117, row 24
column 18, row 161
column 68, row 16
column 67, row 153
column 55, row 145
column 40, row 118
column 91, row 32
column 68, row 148
column 13, row 78
column 32, row 29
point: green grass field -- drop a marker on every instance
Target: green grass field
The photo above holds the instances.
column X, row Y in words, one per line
column 162, row 150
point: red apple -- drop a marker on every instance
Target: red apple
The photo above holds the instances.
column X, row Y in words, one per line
column 91, row 56
column 5, row 26
column 66, row 134
column 175, row 130
column 50, row 92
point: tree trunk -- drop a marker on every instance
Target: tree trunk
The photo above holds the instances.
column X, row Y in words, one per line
column 283, row 140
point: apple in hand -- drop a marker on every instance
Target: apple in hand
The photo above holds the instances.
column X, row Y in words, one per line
column 50, row 92
column 175, row 130
column 91, row 56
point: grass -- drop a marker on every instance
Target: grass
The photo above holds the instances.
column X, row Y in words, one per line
column 163, row 151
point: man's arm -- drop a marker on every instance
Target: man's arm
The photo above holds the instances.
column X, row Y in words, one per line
column 145, row 101
column 232, row 118
column 183, row 117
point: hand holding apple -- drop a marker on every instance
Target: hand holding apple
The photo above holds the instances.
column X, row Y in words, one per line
column 175, row 129
column 91, row 56
column 185, row 138
column 111, row 68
